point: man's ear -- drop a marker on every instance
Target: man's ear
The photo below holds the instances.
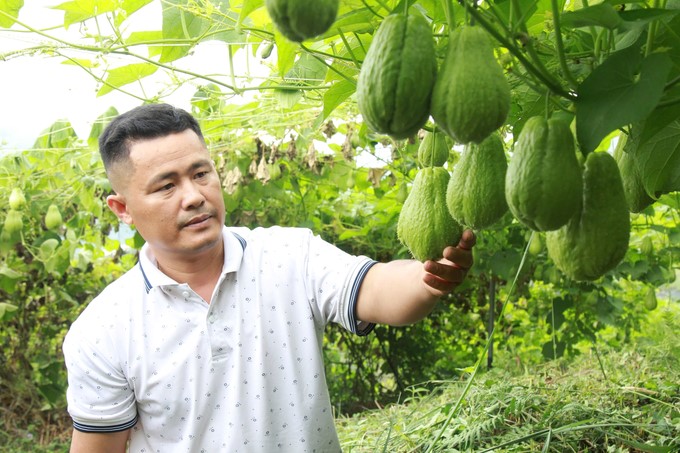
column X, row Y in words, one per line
column 118, row 205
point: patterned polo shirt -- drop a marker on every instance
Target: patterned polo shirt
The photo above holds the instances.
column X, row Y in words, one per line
column 242, row 373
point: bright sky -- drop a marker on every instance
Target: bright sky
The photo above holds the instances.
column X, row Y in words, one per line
column 37, row 90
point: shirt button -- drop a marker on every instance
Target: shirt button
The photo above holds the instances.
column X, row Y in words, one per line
column 211, row 318
column 185, row 293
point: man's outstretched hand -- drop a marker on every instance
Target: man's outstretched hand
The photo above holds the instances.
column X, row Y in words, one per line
column 445, row 275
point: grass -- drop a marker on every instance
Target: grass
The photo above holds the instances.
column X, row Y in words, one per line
column 602, row 401
column 605, row 400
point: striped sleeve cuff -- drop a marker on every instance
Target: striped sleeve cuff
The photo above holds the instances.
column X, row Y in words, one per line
column 359, row 327
column 85, row 428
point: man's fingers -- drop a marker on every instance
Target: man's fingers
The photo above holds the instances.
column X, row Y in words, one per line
column 460, row 257
column 445, row 272
column 443, row 286
column 467, row 240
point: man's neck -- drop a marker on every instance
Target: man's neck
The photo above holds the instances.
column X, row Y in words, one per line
column 201, row 272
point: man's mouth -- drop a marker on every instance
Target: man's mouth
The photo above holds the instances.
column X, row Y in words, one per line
column 197, row 219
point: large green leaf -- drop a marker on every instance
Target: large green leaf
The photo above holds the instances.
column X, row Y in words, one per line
column 180, row 23
column 62, row 134
column 225, row 25
column 123, row 75
column 80, row 10
column 248, row 7
column 98, row 126
column 357, row 21
column 307, row 71
column 128, row 7
column 659, row 160
column 603, row 15
column 141, row 37
column 11, row 9
column 622, row 90
column 641, row 17
column 336, row 95
column 7, row 308
column 285, row 51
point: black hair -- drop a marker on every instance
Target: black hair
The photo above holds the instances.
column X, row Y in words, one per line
column 144, row 122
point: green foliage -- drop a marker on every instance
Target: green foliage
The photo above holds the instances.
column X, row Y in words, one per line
column 48, row 272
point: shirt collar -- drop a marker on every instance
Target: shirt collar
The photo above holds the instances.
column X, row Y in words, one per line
column 234, row 248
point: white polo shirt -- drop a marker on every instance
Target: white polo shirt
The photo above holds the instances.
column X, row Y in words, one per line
column 243, row 373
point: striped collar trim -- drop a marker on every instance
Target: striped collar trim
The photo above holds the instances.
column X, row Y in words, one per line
column 147, row 284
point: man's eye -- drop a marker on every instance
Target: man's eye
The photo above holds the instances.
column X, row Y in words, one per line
column 166, row 187
column 201, row 174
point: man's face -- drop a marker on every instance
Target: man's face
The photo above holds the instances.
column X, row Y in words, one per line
column 170, row 191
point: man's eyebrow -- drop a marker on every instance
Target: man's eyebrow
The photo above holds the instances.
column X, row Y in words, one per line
column 173, row 174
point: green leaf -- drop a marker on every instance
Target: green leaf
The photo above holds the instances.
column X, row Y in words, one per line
column 80, row 10
column 286, row 51
column 603, row 15
column 52, row 393
column 222, row 20
column 248, row 7
column 287, row 98
column 137, row 37
column 659, row 161
column 402, row 6
column 622, row 90
column 61, row 134
column 672, row 200
column 307, row 71
column 141, row 37
column 179, row 23
column 357, row 21
column 119, row 77
column 7, row 309
column 80, row 62
column 11, row 8
column 99, row 125
column 9, row 273
column 336, row 95
column 641, row 17
column 130, row 6
column 661, row 116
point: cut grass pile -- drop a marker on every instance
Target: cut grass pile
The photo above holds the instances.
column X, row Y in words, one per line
column 607, row 401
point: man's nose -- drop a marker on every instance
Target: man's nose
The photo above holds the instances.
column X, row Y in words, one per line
column 192, row 196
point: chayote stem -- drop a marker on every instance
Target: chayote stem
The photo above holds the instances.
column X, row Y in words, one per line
column 546, row 79
column 560, row 45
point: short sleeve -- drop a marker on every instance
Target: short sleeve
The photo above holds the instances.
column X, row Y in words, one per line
column 334, row 278
column 99, row 396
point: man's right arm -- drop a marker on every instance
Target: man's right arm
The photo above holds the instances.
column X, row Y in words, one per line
column 82, row 442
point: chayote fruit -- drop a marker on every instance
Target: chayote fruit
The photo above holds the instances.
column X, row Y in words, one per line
column 425, row 226
column 433, row 150
column 13, row 222
column 471, row 97
column 636, row 195
column 395, row 83
column 596, row 238
column 53, row 218
column 17, row 200
column 299, row 20
column 543, row 186
column 476, row 192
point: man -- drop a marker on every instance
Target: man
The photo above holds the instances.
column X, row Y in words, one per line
column 213, row 341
